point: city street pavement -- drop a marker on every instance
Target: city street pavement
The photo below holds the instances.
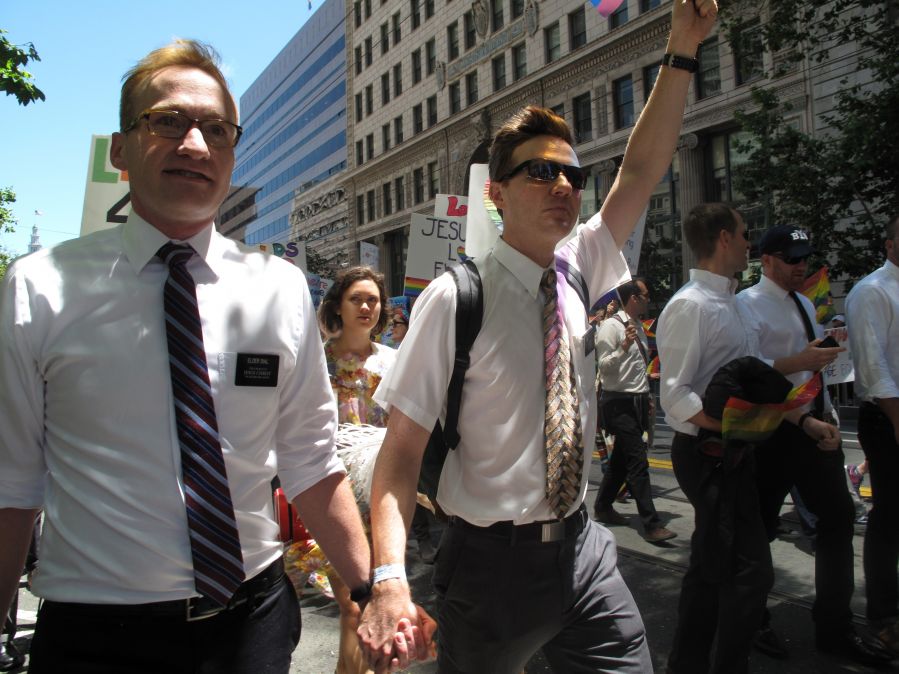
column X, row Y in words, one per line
column 653, row 573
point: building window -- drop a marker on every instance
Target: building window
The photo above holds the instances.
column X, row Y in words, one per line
column 397, row 33
column 418, row 185
column 360, row 209
column 646, row 5
column 559, row 110
column 399, row 192
column 397, row 247
column 455, row 97
column 369, row 146
column 415, row 9
column 519, row 62
column 416, row 66
column 551, row 45
column 708, row 77
column 431, row 56
column 370, row 202
column 619, row 16
column 398, row 130
column 517, row 8
column 358, row 106
column 577, row 29
column 417, row 119
column 368, row 51
column 386, row 198
column 471, row 88
column 452, row 41
column 583, row 122
column 650, row 75
column 385, row 38
column 429, row 8
column 369, row 99
column 433, row 179
column 367, row 9
column 360, row 154
column 471, row 34
column 357, row 13
column 724, row 157
column 385, row 136
column 358, row 59
column 623, row 101
column 432, row 110
column 748, row 53
column 385, row 88
column 397, row 79
column 496, row 14
column 499, row 72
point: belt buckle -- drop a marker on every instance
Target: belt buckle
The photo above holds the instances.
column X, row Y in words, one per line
column 552, row 531
column 191, row 616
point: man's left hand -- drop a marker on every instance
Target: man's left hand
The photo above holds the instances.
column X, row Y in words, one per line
column 691, row 22
column 827, row 436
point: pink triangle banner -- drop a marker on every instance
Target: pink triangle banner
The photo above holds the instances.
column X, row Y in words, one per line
column 606, row 7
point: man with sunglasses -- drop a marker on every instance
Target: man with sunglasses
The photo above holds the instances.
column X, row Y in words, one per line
column 521, row 566
column 153, row 378
column 788, row 338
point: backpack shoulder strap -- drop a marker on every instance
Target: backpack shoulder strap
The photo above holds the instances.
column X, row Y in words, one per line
column 469, row 314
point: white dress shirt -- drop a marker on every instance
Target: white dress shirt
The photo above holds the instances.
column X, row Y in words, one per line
column 779, row 328
column 872, row 316
column 700, row 329
column 619, row 370
column 498, row 471
column 88, row 419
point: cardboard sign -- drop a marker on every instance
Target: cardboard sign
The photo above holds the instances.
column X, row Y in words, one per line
column 435, row 241
column 841, row 370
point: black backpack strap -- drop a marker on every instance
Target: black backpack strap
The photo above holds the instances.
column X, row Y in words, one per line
column 469, row 314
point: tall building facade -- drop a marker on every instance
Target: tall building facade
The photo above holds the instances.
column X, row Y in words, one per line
column 429, row 81
column 294, row 121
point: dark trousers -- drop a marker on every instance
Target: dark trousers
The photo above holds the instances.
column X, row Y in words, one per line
column 625, row 418
column 724, row 589
column 790, row 457
column 257, row 637
column 501, row 601
column 881, row 561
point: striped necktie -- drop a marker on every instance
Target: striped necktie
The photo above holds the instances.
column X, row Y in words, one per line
column 561, row 424
column 214, row 541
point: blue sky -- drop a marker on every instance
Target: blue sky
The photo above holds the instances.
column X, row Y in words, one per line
column 85, row 47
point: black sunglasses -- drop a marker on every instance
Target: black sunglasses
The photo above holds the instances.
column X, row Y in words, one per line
column 790, row 260
column 547, row 171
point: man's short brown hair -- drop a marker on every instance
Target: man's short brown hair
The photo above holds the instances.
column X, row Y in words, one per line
column 527, row 123
column 188, row 53
column 703, row 225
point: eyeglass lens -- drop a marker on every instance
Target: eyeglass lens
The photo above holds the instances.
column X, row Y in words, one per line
column 173, row 124
column 548, row 171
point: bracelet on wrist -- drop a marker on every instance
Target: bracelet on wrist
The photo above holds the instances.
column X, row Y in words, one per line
column 387, row 572
column 803, row 418
column 362, row 593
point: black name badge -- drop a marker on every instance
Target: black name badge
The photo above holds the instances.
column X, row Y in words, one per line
column 256, row 369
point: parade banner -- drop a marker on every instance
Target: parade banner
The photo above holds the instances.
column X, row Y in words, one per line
column 291, row 251
column 435, row 241
column 840, row 371
column 107, row 201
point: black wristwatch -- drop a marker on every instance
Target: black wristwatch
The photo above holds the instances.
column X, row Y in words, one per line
column 362, row 593
column 683, row 62
column 803, row 418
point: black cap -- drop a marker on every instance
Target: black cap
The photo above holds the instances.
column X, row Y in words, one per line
column 787, row 240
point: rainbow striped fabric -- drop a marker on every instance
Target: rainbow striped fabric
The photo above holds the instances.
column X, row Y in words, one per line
column 654, row 366
column 606, row 7
column 414, row 286
column 817, row 289
column 748, row 422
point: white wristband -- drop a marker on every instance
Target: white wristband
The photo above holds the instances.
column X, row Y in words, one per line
column 388, row 571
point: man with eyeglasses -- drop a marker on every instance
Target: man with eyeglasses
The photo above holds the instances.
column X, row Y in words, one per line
column 521, row 566
column 622, row 354
column 789, row 338
column 154, row 377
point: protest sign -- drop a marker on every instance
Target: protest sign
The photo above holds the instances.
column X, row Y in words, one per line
column 107, row 194
column 291, row 251
column 435, row 241
column 840, row 371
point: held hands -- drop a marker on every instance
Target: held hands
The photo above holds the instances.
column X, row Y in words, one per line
column 393, row 631
column 691, row 21
column 827, row 436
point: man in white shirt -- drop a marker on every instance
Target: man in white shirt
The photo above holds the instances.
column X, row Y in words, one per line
column 514, row 571
column 700, row 330
column 622, row 355
column 788, row 338
column 872, row 310
column 105, row 397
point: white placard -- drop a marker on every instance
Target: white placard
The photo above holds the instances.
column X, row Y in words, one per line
column 106, row 192
column 841, row 370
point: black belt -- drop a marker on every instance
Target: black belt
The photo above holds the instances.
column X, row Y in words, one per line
column 549, row 531
column 194, row 608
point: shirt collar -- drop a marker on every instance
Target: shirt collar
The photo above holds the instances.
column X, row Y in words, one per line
column 769, row 287
column 141, row 241
column 891, row 268
column 716, row 282
column 528, row 272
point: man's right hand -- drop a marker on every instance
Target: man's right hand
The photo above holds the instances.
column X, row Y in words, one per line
column 630, row 336
column 815, row 358
column 390, row 631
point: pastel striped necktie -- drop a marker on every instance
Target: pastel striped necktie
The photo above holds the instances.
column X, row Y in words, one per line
column 561, row 424
column 214, row 540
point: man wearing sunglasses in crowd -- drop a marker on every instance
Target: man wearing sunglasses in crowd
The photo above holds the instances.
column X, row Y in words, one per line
column 790, row 338
column 521, row 566
column 153, row 378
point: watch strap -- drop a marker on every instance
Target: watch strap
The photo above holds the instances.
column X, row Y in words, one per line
column 687, row 63
column 361, row 593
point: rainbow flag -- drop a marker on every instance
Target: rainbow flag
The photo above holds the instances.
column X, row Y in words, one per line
column 654, row 367
column 414, row 286
column 606, row 7
column 817, row 289
column 647, row 327
column 743, row 420
column 492, row 210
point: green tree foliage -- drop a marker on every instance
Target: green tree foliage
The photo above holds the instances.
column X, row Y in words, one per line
column 843, row 185
column 7, row 225
column 14, row 80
